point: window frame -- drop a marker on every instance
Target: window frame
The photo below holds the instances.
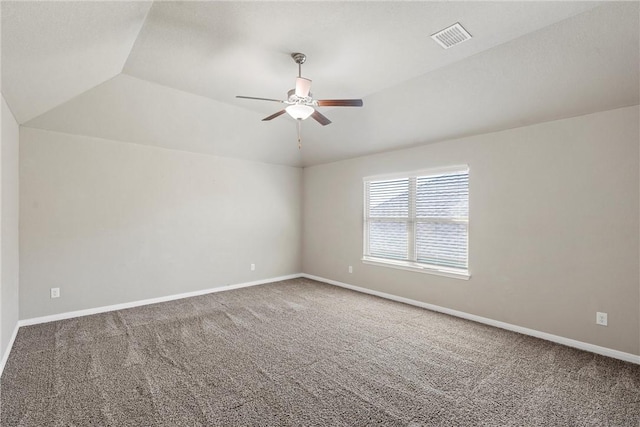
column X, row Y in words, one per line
column 411, row 264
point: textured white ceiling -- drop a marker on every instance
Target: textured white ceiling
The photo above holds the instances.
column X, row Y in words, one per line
column 527, row 62
column 129, row 109
column 353, row 48
column 53, row 51
column 588, row 63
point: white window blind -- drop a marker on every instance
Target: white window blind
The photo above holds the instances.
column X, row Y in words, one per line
column 419, row 221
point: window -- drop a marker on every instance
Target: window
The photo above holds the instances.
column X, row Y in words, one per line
column 418, row 221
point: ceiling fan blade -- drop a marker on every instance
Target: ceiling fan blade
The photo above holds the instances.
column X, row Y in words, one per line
column 320, row 118
column 303, row 86
column 274, row 115
column 259, row 99
column 339, row 103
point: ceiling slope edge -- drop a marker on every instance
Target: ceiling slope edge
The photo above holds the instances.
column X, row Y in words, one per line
column 55, row 51
column 33, row 122
column 118, row 141
column 129, row 109
column 135, row 39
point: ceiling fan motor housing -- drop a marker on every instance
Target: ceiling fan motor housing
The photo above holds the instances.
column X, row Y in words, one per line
column 292, row 98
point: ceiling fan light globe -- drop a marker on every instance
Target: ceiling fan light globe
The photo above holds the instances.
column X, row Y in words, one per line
column 299, row 111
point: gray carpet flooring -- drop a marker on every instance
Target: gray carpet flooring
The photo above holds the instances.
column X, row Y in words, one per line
column 304, row 353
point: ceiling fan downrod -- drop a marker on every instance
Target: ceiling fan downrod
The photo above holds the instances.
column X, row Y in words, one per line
column 299, row 58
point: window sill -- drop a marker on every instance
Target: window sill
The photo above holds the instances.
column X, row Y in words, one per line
column 419, row 268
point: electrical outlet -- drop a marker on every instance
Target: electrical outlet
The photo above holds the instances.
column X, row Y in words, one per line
column 55, row 292
column 253, row 267
column 601, row 318
column 350, row 269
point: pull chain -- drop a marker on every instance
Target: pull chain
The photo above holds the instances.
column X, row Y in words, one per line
column 299, row 134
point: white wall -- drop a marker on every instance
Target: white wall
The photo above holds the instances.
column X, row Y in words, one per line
column 9, row 227
column 111, row 222
column 553, row 226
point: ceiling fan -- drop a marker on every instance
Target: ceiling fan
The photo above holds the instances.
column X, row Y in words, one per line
column 301, row 104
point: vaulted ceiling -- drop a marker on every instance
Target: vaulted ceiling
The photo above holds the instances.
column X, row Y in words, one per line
column 166, row 73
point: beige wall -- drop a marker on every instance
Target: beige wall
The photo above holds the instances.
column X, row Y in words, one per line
column 111, row 222
column 9, row 224
column 553, row 226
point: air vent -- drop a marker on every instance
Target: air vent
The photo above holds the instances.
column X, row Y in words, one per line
column 451, row 36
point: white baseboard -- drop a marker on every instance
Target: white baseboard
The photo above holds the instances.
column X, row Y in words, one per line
column 7, row 351
column 616, row 354
column 96, row 310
